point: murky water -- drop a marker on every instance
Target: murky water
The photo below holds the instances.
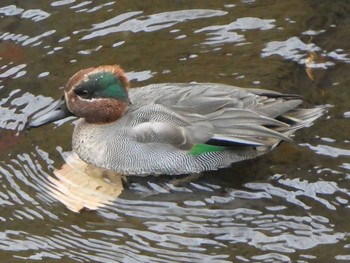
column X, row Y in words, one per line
column 290, row 205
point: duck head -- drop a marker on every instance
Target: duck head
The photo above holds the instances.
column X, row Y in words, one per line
column 99, row 95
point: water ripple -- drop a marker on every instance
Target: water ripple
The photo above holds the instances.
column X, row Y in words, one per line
column 10, row 10
column 327, row 150
column 33, row 14
column 290, row 49
column 177, row 230
column 16, row 108
column 223, row 34
column 295, row 49
column 62, row 2
column 301, row 189
column 148, row 23
column 25, row 39
column 93, row 9
column 14, row 72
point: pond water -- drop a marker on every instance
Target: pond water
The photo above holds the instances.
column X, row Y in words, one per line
column 291, row 205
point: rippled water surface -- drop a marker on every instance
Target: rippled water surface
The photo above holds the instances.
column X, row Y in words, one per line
column 291, row 205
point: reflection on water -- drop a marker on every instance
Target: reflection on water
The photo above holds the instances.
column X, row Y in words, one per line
column 79, row 185
column 289, row 206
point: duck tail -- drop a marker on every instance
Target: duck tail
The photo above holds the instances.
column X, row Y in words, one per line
column 300, row 118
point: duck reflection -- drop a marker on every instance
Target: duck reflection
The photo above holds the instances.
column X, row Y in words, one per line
column 81, row 186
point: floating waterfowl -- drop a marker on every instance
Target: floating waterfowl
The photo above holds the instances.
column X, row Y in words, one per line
column 173, row 128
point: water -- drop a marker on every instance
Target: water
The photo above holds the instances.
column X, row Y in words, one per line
column 291, row 205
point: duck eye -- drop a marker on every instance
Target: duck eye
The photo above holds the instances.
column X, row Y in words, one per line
column 84, row 93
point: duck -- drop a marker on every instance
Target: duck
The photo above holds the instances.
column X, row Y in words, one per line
column 172, row 128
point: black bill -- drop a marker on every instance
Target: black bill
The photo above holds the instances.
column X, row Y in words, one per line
column 60, row 111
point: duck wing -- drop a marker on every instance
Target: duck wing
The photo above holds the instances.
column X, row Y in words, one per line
column 185, row 115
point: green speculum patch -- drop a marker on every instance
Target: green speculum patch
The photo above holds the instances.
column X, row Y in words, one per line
column 201, row 148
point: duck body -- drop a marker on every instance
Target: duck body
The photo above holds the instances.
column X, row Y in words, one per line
column 178, row 128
